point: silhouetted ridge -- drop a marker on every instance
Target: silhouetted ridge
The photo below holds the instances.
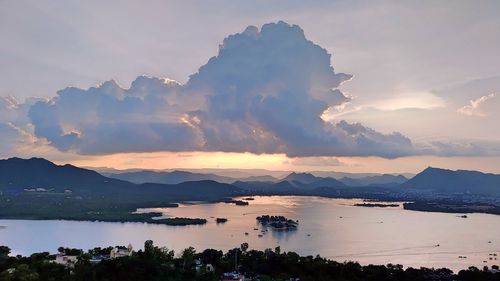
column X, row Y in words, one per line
column 173, row 177
column 306, row 178
column 23, row 175
column 377, row 180
column 460, row 181
column 17, row 173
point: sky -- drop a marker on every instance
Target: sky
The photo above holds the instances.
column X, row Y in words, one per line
column 354, row 86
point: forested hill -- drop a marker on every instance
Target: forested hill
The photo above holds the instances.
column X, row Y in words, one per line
column 450, row 182
column 40, row 175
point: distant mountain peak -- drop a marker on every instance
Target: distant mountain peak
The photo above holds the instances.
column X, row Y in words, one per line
column 167, row 177
column 460, row 181
column 17, row 175
column 32, row 159
column 306, row 178
column 430, row 168
column 29, row 161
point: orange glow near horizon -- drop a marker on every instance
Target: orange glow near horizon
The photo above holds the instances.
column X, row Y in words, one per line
column 186, row 160
column 278, row 162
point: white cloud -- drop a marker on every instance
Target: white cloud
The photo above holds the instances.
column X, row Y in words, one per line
column 467, row 148
column 265, row 92
column 410, row 100
column 109, row 119
column 477, row 107
column 316, row 161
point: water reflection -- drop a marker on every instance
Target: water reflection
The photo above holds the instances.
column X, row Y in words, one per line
column 333, row 228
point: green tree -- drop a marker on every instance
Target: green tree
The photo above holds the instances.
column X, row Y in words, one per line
column 187, row 257
column 23, row 273
column 148, row 247
column 4, row 254
column 244, row 247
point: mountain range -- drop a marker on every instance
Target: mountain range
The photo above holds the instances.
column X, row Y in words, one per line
column 25, row 175
column 39, row 189
column 179, row 176
column 20, row 175
column 377, row 180
column 173, row 177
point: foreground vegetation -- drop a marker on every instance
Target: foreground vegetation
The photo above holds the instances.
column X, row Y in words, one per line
column 156, row 263
column 47, row 206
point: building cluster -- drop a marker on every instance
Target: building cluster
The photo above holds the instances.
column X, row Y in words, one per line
column 233, row 276
column 70, row 259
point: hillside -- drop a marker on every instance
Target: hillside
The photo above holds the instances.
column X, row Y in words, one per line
column 173, row 177
column 39, row 189
column 379, row 180
column 17, row 174
column 460, row 181
column 294, row 183
column 307, row 180
column 25, row 175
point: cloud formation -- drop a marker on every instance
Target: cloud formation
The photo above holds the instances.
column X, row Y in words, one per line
column 109, row 119
column 316, row 161
column 464, row 148
column 15, row 129
column 264, row 92
column 478, row 107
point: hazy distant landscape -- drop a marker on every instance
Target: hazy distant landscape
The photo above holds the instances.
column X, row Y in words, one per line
column 39, row 189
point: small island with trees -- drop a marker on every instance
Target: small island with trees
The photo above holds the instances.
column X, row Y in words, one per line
column 234, row 201
column 220, row 220
column 180, row 221
column 376, row 205
column 279, row 223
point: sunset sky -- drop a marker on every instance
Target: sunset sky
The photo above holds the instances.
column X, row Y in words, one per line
column 354, row 86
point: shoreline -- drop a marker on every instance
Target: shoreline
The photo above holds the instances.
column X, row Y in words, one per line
column 176, row 221
column 198, row 233
column 127, row 215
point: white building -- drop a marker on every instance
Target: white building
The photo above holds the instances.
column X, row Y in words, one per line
column 66, row 260
column 118, row 252
column 233, row 276
column 210, row 268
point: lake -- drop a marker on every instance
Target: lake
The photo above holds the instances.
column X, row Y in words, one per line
column 333, row 228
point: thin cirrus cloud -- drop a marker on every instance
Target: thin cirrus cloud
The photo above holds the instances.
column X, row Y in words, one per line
column 264, row 92
column 316, row 161
column 478, row 107
column 15, row 129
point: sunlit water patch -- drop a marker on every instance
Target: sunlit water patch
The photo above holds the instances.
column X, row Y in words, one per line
column 333, row 228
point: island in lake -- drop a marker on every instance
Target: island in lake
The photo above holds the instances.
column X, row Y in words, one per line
column 233, row 201
column 220, row 220
column 181, row 221
column 280, row 223
column 378, row 205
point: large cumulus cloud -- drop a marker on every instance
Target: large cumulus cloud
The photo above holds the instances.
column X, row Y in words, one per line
column 264, row 92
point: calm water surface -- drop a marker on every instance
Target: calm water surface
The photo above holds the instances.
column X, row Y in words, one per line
column 332, row 228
